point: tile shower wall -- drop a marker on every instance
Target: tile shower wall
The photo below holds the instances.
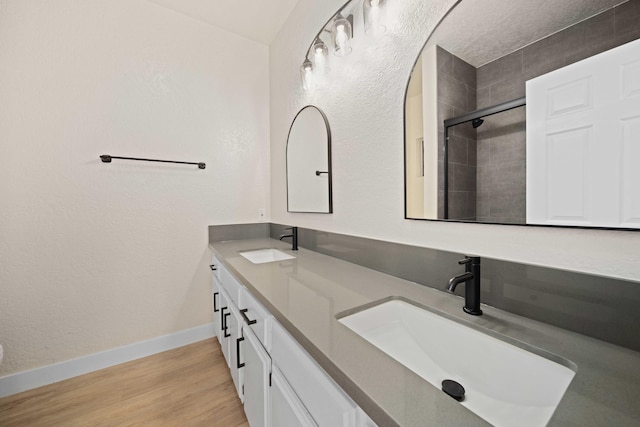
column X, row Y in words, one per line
column 501, row 140
column 457, row 95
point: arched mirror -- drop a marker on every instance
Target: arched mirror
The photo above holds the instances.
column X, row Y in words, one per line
column 509, row 115
column 309, row 163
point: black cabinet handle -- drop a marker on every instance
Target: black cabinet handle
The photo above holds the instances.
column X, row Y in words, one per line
column 215, row 310
column 226, row 335
column 222, row 319
column 246, row 319
column 238, row 364
column 213, row 267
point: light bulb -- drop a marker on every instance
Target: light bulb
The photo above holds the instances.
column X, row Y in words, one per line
column 341, row 34
column 306, row 74
column 373, row 17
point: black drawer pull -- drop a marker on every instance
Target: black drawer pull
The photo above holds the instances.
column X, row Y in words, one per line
column 215, row 310
column 222, row 319
column 213, row 267
column 238, row 364
column 226, row 335
column 246, row 319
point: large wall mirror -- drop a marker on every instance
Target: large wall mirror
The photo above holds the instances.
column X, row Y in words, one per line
column 309, row 163
column 525, row 112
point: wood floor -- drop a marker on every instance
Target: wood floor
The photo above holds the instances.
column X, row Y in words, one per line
column 187, row 386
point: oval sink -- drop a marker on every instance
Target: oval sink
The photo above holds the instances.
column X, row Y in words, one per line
column 504, row 384
column 260, row 256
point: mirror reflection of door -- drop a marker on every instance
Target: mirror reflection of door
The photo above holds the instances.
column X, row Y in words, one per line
column 481, row 56
column 309, row 178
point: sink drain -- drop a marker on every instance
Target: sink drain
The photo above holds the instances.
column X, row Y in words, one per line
column 453, row 389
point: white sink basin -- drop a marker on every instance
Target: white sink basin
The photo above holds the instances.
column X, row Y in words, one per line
column 261, row 256
column 505, row 385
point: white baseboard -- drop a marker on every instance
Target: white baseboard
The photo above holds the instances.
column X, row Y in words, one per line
column 38, row 377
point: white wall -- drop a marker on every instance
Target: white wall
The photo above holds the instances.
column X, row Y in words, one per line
column 363, row 103
column 95, row 256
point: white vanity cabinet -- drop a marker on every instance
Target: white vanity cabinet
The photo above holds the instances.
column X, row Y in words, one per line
column 279, row 383
column 285, row 406
column 321, row 396
column 256, row 364
column 215, row 290
column 234, row 328
column 223, row 331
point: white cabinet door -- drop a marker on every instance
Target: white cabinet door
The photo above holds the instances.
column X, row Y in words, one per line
column 215, row 289
column 256, row 365
column 324, row 399
column 583, row 142
column 223, row 330
column 234, row 325
column 286, row 408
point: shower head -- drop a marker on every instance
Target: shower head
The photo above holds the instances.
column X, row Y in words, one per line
column 476, row 123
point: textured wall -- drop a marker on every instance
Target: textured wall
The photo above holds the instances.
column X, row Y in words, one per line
column 363, row 102
column 95, row 256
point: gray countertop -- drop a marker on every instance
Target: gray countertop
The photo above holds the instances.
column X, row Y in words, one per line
column 306, row 293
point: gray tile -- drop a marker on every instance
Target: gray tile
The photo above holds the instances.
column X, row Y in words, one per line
column 464, row 72
column 599, row 29
column 483, row 204
column 484, row 179
column 472, row 97
column 627, row 37
column 508, row 90
column 454, row 93
column 589, row 51
column 508, row 203
column 464, row 177
column 458, row 150
column 472, row 153
column 543, row 56
column 500, row 70
column 483, row 97
column 444, row 61
column 483, row 151
column 627, row 18
column 458, row 205
column 221, row 233
column 445, row 111
column 465, row 130
column 509, row 148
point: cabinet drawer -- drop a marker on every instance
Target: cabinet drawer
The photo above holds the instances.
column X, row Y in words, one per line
column 230, row 285
column 286, row 408
column 256, row 317
column 324, row 399
column 215, row 267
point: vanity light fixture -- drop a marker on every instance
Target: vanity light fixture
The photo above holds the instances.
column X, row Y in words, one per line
column 306, row 73
column 320, row 56
column 341, row 28
column 372, row 13
column 341, row 34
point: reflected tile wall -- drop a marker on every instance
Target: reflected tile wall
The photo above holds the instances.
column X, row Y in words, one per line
column 457, row 95
column 501, row 139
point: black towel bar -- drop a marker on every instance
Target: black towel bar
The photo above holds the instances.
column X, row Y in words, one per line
column 107, row 159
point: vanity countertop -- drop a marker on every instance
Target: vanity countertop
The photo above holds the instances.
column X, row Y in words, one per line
column 306, row 293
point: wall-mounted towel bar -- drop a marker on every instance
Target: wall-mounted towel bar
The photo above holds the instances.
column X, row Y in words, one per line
column 107, row 159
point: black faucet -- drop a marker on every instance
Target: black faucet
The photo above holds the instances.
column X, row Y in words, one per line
column 471, row 277
column 294, row 237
